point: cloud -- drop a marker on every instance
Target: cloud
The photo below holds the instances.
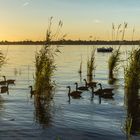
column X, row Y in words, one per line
column 97, row 21
column 25, row 4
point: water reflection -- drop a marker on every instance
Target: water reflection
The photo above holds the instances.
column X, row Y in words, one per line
column 112, row 81
column 1, row 106
column 132, row 124
column 1, row 103
column 89, row 78
column 82, row 117
column 80, row 75
column 43, row 108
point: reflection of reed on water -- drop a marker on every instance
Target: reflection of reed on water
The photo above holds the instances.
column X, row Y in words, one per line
column 1, row 107
column 43, row 108
column 1, row 102
column 2, row 59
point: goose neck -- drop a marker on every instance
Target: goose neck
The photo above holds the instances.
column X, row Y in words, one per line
column 4, row 78
column 76, row 86
column 100, row 86
column 69, row 91
column 86, row 84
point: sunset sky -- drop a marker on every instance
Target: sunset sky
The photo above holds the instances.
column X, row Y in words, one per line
column 28, row 19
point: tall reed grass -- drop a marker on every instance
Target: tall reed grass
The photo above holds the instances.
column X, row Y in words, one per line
column 113, row 62
column 91, row 63
column 132, row 85
column 2, row 59
column 45, row 62
column 114, row 58
column 132, row 71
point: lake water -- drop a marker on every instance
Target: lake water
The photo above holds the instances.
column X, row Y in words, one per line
column 81, row 119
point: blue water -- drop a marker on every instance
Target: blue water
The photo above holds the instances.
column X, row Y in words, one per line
column 81, row 119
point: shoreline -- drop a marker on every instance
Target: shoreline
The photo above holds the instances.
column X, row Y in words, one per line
column 70, row 42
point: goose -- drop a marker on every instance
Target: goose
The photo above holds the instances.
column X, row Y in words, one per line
column 81, row 88
column 106, row 90
column 32, row 92
column 104, row 93
column 90, row 84
column 9, row 81
column 5, row 89
column 107, row 96
column 3, row 82
column 92, row 88
column 74, row 94
column 98, row 92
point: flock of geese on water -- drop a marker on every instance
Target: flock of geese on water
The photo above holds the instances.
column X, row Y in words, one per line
column 5, row 83
column 101, row 92
column 4, row 86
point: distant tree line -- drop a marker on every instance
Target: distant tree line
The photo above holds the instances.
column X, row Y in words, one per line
column 72, row 42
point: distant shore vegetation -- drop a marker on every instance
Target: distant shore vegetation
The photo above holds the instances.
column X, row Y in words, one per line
column 72, row 42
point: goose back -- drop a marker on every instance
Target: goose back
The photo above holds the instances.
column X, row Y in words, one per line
column 74, row 94
column 81, row 88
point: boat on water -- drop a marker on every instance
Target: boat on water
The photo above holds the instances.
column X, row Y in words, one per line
column 103, row 49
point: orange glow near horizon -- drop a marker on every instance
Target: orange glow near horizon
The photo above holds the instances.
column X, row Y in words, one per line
column 94, row 33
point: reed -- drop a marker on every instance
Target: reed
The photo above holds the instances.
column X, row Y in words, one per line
column 132, row 96
column 45, row 63
column 44, row 70
column 91, row 63
column 2, row 59
column 113, row 62
column 132, row 71
column 114, row 58
column 132, row 85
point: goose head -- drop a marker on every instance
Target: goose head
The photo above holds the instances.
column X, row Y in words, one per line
column 68, row 87
column 100, row 85
column 85, row 80
column 76, row 85
column 4, row 77
column 31, row 88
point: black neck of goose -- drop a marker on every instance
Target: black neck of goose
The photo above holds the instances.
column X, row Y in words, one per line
column 76, row 86
column 4, row 78
column 86, row 83
column 69, row 91
column 101, row 86
column 92, row 89
column 7, row 85
column 31, row 88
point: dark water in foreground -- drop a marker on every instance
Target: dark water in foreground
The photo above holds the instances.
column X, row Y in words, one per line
column 81, row 119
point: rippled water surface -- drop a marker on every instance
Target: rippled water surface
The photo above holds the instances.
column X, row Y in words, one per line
column 81, row 119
